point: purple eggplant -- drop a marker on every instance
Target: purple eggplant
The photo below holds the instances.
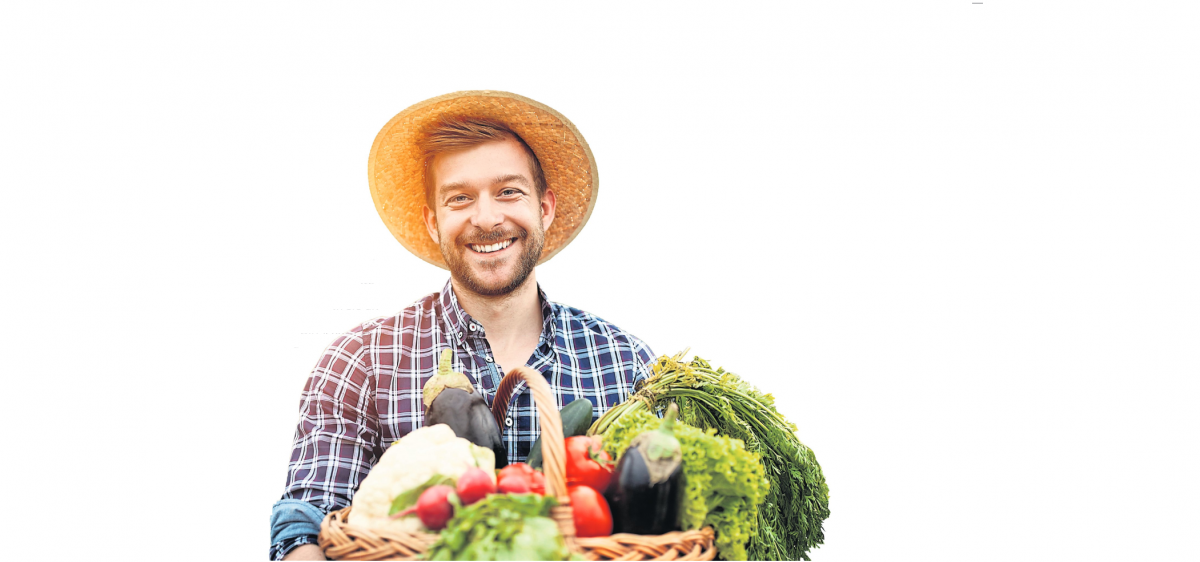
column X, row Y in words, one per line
column 470, row 418
column 646, row 490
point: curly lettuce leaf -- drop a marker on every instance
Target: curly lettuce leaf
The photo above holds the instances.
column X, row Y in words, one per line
column 725, row 482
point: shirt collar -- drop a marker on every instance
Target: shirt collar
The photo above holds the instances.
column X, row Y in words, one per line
column 548, row 317
column 457, row 320
column 463, row 326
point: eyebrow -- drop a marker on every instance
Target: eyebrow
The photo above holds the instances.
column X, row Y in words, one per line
column 450, row 187
column 518, row 178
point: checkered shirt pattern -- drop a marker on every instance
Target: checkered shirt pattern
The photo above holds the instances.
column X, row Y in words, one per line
column 365, row 392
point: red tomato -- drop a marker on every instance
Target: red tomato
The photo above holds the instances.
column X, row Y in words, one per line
column 518, row 468
column 537, row 483
column 534, row 480
column 587, row 463
column 592, row 516
column 514, row 484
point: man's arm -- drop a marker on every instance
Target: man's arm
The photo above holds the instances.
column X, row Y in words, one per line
column 336, row 443
column 306, row 552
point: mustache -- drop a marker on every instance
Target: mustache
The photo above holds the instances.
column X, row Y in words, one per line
column 481, row 237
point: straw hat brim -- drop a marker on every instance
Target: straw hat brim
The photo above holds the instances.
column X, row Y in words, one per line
column 395, row 167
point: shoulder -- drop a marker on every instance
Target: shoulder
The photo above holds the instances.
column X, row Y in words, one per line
column 419, row 314
column 351, row 354
column 415, row 314
column 581, row 323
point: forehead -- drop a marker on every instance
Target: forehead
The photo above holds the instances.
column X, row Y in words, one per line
column 481, row 165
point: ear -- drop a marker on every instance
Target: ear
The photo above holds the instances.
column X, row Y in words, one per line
column 430, row 219
column 548, row 204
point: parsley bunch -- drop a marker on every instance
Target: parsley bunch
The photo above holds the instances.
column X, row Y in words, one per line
column 789, row 521
column 724, row 481
column 502, row 527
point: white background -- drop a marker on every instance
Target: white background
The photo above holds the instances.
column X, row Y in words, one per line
column 958, row 242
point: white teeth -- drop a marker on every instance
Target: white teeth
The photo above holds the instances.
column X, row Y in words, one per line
column 491, row 247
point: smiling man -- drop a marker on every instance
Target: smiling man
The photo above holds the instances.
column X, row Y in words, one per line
column 488, row 185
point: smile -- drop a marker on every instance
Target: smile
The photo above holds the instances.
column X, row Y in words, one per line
column 491, row 247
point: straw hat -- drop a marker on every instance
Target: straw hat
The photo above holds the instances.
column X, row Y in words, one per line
column 396, row 165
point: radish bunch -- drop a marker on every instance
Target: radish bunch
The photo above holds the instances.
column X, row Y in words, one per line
column 436, row 504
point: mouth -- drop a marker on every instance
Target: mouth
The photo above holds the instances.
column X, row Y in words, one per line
column 491, row 248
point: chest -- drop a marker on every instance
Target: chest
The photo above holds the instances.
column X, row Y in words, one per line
column 601, row 378
column 514, row 354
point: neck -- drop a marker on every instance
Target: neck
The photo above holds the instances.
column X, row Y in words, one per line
column 505, row 318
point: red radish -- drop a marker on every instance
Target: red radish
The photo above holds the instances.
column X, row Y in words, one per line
column 474, row 485
column 433, row 507
column 513, row 484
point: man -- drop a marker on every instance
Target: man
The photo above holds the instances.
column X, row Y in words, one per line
column 488, row 185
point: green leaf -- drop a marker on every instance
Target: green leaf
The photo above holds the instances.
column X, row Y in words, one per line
column 501, row 527
column 409, row 497
column 792, row 493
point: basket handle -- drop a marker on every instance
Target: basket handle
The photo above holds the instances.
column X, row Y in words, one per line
column 553, row 451
column 554, row 454
column 503, row 395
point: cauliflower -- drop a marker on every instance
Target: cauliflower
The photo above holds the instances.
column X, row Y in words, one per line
column 408, row 463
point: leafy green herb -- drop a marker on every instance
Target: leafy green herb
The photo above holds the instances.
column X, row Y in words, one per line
column 797, row 503
column 502, row 527
column 725, row 482
column 408, row 498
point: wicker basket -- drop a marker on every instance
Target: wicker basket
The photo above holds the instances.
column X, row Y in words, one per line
column 343, row 541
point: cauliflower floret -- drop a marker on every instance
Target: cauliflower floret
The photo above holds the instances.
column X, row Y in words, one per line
column 408, row 463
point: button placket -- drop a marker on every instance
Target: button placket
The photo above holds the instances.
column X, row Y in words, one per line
column 512, row 403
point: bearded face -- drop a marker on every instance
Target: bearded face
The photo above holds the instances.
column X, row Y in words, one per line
column 493, row 263
column 486, row 216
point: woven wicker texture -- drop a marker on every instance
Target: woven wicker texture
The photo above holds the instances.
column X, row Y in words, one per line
column 342, row 541
column 395, row 168
column 686, row 545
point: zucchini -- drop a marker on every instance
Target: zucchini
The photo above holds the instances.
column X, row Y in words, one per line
column 576, row 419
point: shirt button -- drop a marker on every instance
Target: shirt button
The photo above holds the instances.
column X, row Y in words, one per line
column 489, row 358
column 507, row 422
column 472, row 327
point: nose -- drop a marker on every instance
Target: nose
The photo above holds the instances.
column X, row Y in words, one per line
column 487, row 214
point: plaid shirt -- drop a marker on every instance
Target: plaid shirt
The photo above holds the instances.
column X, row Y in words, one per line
column 365, row 391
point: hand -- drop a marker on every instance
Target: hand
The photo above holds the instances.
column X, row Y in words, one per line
column 306, row 552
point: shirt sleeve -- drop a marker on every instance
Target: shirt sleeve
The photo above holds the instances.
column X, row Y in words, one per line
column 337, row 440
column 645, row 360
column 283, row 547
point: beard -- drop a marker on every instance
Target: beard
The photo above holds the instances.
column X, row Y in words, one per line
column 531, row 244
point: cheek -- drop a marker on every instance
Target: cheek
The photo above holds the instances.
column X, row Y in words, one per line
column 449, row 228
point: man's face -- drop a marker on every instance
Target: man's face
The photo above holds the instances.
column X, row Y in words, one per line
column 486, row 216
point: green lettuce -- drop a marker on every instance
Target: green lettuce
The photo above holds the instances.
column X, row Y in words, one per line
column 502, row 527
column 725, row 482
column 792, row 515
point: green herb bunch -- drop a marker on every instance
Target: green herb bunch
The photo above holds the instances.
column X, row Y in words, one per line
column 725, row 482
column 790, row 518
column 502, row 527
